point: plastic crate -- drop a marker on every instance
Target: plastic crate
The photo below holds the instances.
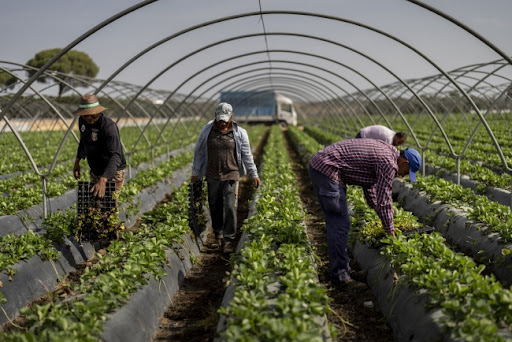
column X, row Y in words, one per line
column 86, row 201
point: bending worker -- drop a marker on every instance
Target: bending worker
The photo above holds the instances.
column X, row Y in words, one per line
column 369, row 163
column 223, row 154
column 382, row 133
column 100, row 144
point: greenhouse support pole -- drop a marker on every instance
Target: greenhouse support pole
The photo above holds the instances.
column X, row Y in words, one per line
column 45, row 210
column 423, row 164
column 129, row 166
column 457, row 162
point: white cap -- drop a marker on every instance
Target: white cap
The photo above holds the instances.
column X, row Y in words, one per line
column 223, row 112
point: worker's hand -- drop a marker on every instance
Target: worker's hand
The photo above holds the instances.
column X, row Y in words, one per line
column 392, row 233
column 257, row 182
column 194, row 179
column 98, row 189
column 76, row 169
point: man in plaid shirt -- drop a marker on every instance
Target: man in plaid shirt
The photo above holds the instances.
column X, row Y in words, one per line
column 369, row 163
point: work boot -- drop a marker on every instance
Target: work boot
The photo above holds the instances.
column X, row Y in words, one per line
column 228, row 248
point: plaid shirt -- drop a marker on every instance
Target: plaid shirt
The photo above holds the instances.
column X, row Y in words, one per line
column 369, row 163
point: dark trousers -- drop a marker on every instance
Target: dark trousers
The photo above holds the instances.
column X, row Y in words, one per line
column 333, row 200
column 223, row 201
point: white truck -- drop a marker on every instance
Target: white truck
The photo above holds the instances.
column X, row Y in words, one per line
column 265, row 106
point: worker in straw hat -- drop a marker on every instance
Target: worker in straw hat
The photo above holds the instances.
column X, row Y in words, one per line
column 100, row 144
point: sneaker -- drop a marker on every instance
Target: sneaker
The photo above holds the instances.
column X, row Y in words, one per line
column 218, row 243
column 228, row 248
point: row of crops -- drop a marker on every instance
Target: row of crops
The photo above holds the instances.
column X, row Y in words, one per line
column 458, row 296
column 426, row 289
column 469, row 139
column 22, row 188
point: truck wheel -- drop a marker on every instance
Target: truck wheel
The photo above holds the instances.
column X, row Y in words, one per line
column 283, row 124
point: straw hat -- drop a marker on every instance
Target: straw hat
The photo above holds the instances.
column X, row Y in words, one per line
column 89, row 105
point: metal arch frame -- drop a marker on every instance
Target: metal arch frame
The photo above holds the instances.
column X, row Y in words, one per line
column 69, row 47
column 369, row 28
column 259, row 62
column 261, row 13
column 299, row 35
column 320, row 94
column 20, row 140
column 278, row 84
column 25, row 149
column 311, row 81
column 85, row 80
column 216, row 85
column 464, row 27
column 437, row 78
column 469, row 90
column 482, row 119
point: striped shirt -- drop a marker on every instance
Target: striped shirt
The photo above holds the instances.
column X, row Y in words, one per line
column 369, row 163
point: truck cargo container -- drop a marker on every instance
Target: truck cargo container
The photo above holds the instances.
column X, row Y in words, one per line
column 261, row 107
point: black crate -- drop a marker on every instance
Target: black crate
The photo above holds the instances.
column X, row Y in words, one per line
column 86, row 201
column 196, row 198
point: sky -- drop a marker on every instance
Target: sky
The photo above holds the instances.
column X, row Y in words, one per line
column 29, row 26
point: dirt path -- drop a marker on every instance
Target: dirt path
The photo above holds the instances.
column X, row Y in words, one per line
column 192, row 315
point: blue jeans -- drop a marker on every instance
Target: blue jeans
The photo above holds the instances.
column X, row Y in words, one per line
column 333, row 201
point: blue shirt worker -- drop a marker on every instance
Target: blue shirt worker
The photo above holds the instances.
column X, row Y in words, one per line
column 100, row 144
column 223, row 155
column 369, row 163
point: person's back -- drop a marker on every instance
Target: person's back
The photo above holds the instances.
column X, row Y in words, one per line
column 377, row 132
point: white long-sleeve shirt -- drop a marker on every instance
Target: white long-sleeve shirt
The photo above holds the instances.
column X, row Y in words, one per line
column 378, row 132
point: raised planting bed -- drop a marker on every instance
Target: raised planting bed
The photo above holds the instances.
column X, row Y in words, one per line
column 35, row 277
column 473, row 237
column 501, row 196
column 133, row 281
column 429, row 292
column 32, row 218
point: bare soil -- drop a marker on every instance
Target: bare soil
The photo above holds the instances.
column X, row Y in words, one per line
column 192, row 315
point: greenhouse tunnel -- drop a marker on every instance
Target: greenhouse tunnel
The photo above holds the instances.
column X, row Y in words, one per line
column 342, row 73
